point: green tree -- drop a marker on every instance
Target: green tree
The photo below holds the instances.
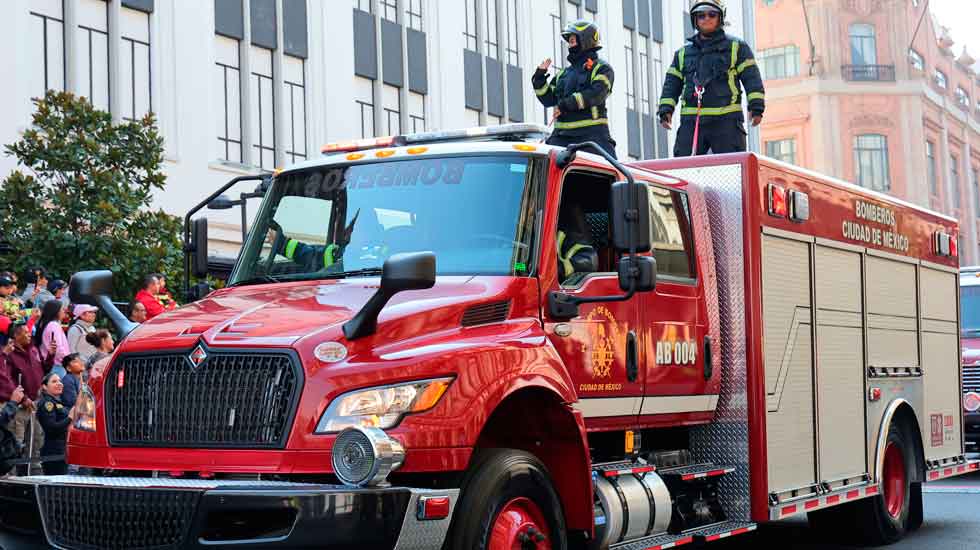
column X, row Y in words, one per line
column 81, row 196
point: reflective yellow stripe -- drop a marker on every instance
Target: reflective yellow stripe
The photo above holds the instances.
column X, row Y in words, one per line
column 542, row 90
column 732, row 74
column 711, row 111
column 602, row 78
column 756, row 95
column 566, row 259
column 595, row 71
column 579, row 99
column 290, row 248
column 668, row 101
column 680, row 56
column 595, row 112
column 745, row 65
column 328, row 255
column 580, row 124
column 674, row 72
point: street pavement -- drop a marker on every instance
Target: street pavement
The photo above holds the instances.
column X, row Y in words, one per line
column 952, row 521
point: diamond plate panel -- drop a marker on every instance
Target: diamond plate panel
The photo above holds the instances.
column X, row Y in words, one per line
column 424, row 535
column 726, row 440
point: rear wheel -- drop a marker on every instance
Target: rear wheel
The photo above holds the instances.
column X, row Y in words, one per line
column 508, row 503
column 886, row 517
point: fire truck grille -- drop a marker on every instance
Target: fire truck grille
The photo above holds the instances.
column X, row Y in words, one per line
column 971, row 379
column 229, row 400
column 102, row 517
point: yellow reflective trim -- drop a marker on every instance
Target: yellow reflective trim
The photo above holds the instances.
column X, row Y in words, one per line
column 290, row 248
column 328, row 255
column 595, row 71
column 602, row 78
column 756, row 95
column 711, row 111
column 542, row 90
column 581, row 124
column 674, row 72
column 680, row 57
column 581, row 27
column 732, row 73
column 579, row 99
column 595, row 112
column 668, row 101
column 745, row 65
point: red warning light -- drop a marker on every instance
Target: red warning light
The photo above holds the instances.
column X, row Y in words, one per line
column 777, row 201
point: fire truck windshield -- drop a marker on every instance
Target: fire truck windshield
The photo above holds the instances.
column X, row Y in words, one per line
column 970, row 310
column 474, row 213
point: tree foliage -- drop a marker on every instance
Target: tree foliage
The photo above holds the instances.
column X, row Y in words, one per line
column 81, row 196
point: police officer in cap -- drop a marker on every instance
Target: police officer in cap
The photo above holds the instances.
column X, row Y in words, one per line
column 579, row 91
column 705, row 74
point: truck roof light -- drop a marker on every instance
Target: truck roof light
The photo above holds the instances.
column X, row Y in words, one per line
column 799, row 206
column 503, row 132
column 944, row 244
column 952, row 245
column 777, row 201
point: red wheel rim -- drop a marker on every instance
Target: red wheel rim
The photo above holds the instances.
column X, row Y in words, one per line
column 520, row 525
column 894, row 482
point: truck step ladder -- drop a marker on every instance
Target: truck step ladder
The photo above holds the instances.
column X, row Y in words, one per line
column 694, row 471
column 708, row 533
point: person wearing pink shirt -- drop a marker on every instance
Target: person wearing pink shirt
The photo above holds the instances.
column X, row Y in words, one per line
column 49, row 331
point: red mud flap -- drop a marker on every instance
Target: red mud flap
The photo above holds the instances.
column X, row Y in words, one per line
column 710, row 533
column 952, row 470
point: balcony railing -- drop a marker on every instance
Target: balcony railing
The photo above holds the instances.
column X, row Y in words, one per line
column 869, row 73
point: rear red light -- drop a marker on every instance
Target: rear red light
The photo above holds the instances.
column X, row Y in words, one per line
column 121, row 378
column 777, row 201
column 953, row 245
column 432, row 508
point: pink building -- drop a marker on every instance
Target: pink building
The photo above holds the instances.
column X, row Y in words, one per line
column 872, row 92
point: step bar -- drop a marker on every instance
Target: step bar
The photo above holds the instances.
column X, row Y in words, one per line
column 708, row 533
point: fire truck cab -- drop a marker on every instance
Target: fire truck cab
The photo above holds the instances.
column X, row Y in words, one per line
column 475, row 340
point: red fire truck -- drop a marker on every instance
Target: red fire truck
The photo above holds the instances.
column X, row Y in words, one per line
column 473, row 340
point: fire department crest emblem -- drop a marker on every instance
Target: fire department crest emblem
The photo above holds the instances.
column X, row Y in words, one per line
column 604, row 334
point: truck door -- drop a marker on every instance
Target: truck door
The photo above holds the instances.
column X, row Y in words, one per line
column 600, row 347
column 674, row 341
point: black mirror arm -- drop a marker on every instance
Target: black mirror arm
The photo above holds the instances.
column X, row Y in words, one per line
column 123, row 324
column 197, row 208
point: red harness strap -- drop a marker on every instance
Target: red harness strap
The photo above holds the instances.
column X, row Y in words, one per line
column 698, row 91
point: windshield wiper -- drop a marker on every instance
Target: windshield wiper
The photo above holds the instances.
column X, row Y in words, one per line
column 354, row 273
column 257, row 280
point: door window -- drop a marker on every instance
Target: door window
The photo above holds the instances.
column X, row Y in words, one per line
column 669, row 233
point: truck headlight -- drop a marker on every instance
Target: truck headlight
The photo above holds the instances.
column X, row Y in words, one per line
column 85, row 410
column 363, row 457
column 381, row 407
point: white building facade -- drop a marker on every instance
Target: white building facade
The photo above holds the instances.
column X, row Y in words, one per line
column 244, row 86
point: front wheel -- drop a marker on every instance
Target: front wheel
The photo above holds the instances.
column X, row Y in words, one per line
column 508, row 503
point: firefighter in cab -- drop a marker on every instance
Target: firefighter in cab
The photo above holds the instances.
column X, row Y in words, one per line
column 708, row 75
column 579, row 91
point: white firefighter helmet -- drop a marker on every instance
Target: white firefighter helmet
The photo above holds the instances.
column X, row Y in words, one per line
column 698, row 6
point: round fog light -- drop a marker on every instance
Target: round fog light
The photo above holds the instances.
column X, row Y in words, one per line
column 365, row 456
column 971, row 402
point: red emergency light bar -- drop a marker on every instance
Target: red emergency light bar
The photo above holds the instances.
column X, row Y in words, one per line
column 503, row 132
column 944, row 244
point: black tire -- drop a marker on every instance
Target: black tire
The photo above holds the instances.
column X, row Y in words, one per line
column 879, row 527
column 497, row 476
column 916, row 514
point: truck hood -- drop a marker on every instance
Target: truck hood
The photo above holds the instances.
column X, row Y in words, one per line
column 280, row 314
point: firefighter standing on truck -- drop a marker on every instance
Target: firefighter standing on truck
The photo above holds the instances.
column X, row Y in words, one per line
column 705, row 74
column 579, row 91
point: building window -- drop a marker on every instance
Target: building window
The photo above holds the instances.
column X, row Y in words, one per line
column 227, row 77
column 134, row 64
column 962, row 97
column 389, row 10
column 391, row 123
column 975, row 174
column 781, row 62
column 416, row 112
column 513, row 34
column 782, row 149
column 92, row 61
column 863, row 47
column 413, row 14
column 917, row 61
column 471, row 25
column 768, row 2
column 294, row 82
column 954, row 174
column 931, row 169
column 364, row 100
column 644, row 76
column 363, row 5
column 262, row 114
column 871, row 161
column 48, row 47
column 490, row 42
column 941, row 79
column 557, row 42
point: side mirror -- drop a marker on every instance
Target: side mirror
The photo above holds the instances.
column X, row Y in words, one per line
column 199, row 246
column 642, row 269
column 401, row 272
column 221, row 202
column 200, row 290
column 94, row 288
column 630, row 222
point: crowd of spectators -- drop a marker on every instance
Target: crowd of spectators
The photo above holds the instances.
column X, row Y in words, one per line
column 48, row 347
